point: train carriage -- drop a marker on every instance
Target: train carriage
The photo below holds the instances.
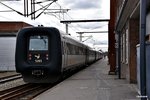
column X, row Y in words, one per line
column 44, row 53
column 74, row 53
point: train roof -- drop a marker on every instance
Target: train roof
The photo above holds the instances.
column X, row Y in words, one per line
column 63, row 35
column 72, row 39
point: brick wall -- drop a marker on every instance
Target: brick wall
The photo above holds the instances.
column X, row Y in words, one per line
column 111, row 38
column 133, row 40
column 12, row 26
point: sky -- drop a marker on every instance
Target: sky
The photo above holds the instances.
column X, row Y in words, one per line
column 78, row 9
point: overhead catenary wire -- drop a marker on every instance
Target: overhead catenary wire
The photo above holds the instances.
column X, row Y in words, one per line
column 11, row 8
column 44, row 10
column 42, row 1
column 6, row 11
column 71, row 26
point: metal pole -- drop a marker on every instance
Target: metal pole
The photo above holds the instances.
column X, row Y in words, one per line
column 81, row 37
column 31, row 9
column 67, row 28
column 25, row 8
column 142, row 49
column 34, row 9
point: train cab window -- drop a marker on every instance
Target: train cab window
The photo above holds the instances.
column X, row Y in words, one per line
column 38, row 43
column 38, row 52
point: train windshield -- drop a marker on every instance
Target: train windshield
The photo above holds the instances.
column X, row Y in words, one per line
column 38, row 43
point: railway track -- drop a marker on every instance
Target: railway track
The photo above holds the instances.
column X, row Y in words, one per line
column 29, row 91
column 24, row 92
column 10, row 78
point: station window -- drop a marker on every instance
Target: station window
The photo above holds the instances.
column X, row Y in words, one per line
column 127, row 46
column 124, row 46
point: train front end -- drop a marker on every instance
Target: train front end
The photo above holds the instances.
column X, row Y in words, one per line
column 38, row 54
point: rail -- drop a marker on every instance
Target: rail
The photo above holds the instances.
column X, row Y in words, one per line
column 26, row 91
column 10, row 78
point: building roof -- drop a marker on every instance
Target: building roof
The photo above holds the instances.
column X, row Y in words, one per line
column 6, row 26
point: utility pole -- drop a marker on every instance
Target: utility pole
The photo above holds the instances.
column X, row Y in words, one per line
column 25, row 8
column 67, row 31
column 81, row 33
column 80, row 21
column 32, row 12
column 32, row 9
column 80, row 36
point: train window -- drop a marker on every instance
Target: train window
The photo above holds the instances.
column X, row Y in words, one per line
column 38, row 43
column 70, row 48
column 80, row 51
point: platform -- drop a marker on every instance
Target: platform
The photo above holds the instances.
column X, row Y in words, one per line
column 92, row 83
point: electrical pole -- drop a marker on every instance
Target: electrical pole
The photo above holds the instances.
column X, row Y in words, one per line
column 81, row 34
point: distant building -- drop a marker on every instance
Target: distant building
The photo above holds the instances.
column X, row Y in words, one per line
column 11, row 28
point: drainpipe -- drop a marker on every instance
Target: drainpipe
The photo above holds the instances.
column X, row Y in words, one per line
column 118, row 53
column 142, row 50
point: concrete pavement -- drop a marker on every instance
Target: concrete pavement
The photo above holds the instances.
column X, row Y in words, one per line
column 92, row 83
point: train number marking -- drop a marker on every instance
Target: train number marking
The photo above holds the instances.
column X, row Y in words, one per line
column 38, row 60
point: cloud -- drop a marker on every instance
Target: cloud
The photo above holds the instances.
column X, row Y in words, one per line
column 10, row 0
column 92, row 25
column 80, row 9
column 83, row 4
column 96, row 41
column 104, row 42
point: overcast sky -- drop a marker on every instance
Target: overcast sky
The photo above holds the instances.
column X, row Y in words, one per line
column 79, row 9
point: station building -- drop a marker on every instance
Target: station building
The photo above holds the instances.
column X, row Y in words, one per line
column 10, row 28
column 127, row 24
column 126, row 20
column 8, row 32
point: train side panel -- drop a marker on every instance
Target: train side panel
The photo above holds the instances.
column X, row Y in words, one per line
column 74, row 55
column 92, row 56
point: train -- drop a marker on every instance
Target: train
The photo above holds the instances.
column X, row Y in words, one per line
column 44, row 54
